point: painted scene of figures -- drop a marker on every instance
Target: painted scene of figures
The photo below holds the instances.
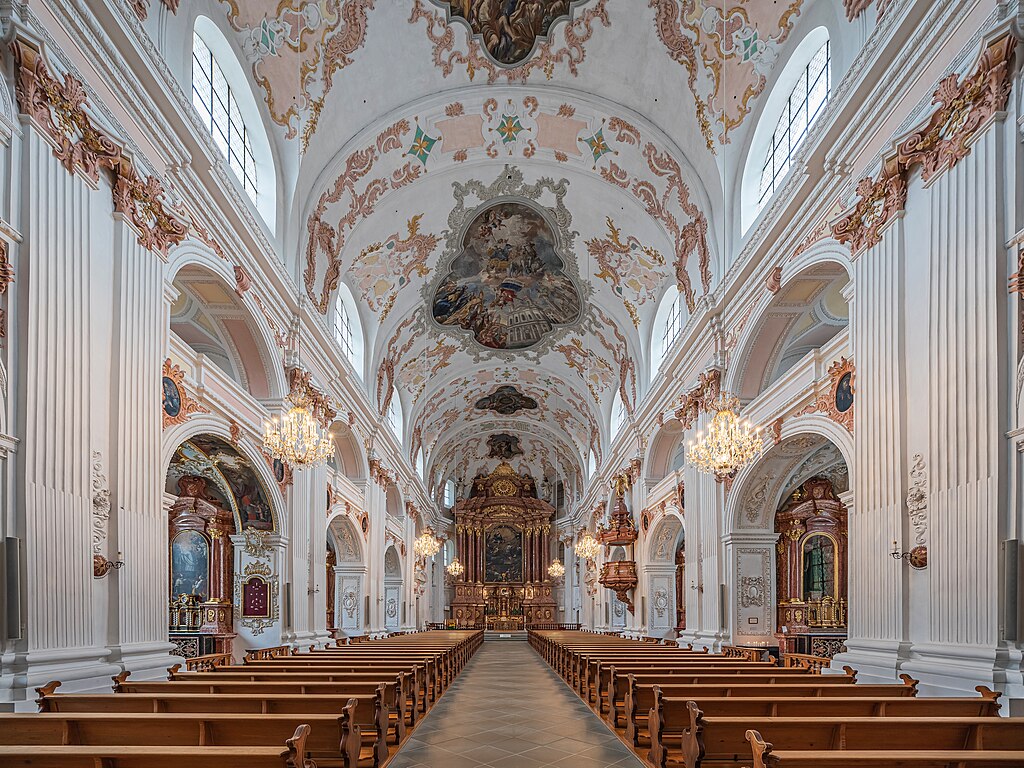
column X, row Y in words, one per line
column 504, row 554
column 507, row 285
column 509, row 28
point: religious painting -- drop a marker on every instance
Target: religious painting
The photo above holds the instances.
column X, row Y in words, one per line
column 508, row 284
column 819, row 554
column 504, row 554
column 172, row 397
column 509, row 29
column 844, row 393
column 503, row 446
column 190, row 565
column 256, row 598
column 234, row 485
column 506, row 401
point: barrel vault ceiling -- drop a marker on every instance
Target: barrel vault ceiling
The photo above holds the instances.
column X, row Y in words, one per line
column 506, row 196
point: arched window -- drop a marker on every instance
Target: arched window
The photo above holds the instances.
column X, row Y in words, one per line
column 342, row 326
column 618, row 415
column 215, row 102
column 668, row 324
column 449, row 494
column 419, row 465
column 806, row 101
column 395, row 415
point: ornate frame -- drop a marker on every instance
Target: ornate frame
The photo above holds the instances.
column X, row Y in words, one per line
column 509, row 187
column 261, row 571
column 189, row 405
column 827, row 401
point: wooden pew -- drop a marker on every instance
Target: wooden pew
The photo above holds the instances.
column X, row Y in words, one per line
column 401, row 696
column 721, row 741
column 672, row 721
column 331, row 737
column 605, row 687
column 766, row 756
column 166, row 756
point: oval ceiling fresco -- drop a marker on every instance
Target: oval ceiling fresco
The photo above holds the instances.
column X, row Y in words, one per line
column 507, row 285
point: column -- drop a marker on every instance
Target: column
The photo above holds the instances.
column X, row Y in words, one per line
column 306, row 521
column 62, row 405
column 140, row 319
column 876, row 588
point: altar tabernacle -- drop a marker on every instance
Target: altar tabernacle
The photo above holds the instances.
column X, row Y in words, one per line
column 503, row 535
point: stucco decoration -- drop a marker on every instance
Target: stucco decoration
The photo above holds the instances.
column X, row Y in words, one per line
column 728, row 50
column 296, row 49
column 965, row 108
column 141, row 7
column 510, row 40
column 507, row 283
column 699, row 399
column 177, row 404
column 917, row 499
column 60, row 110
column 100, row 503
column 632, row 269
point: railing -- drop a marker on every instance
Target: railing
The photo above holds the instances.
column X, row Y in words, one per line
column 262, row 654
column 558, row 627
column 804, row 661
column 736, row 652
column 208, row 662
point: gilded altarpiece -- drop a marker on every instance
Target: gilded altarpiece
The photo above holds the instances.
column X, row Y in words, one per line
column 503, row 538
column 811, row 569
column 200, row 574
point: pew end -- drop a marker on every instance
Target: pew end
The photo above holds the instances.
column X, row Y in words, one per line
column 43, row 694
column 760, row 748
column 693, row 737
column 851, row 672
column 986, row 693
column 172, row 672
column 119, row 680
column 295, row 749
column 910, row 683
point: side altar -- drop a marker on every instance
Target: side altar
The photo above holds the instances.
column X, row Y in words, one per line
column 503, row 538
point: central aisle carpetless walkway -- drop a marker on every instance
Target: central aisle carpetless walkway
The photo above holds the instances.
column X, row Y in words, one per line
column 508, row 709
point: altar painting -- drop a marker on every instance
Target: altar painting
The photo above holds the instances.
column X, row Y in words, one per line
column 504, row 554
column 190, row 565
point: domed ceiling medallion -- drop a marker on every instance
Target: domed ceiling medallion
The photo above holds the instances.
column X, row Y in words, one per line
column 507, row 284
column 508, row 31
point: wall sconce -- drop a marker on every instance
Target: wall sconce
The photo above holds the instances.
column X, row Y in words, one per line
column 313, row 590
column 101, row 566
column 697, row 587
column 917, row 557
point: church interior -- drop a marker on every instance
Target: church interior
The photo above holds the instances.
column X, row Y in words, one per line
column 398, row 383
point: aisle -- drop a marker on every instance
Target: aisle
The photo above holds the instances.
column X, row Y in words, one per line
column 508, row 709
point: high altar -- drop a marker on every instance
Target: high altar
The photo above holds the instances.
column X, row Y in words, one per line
column 503, row 537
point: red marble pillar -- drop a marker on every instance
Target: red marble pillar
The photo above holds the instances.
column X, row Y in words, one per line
column 480, row 563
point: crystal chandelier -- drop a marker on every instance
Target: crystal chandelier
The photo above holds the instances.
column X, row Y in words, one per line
column 587, row 547
column 728, row 444
column 556, row 570
column 427, row 545
column 298, row 440
column 455, row 568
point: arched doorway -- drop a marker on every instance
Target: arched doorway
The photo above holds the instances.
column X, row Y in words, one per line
column 394, row 607
column 347, row 577
column 665, row 576
column 220, row 505
column 784, row 503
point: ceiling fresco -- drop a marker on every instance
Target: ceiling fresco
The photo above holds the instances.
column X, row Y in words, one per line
column 508, row 31
column 506, row 401
column 507, row 285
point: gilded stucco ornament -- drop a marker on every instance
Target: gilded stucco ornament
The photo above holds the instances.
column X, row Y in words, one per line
column 966, row 107
column 178, row 404
column 60, row 111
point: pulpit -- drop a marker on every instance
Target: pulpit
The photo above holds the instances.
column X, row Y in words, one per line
column 503, row 538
